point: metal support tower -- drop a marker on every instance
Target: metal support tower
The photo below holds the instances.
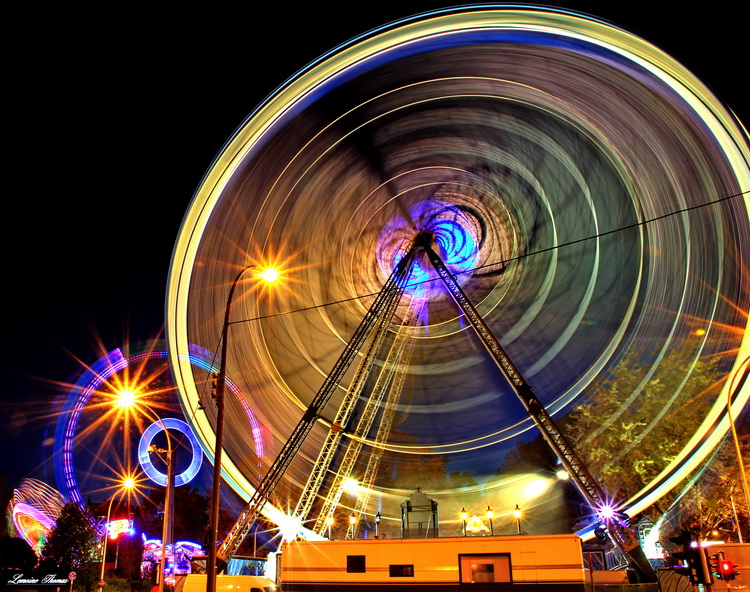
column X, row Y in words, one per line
column 323, row 463
column 588, row 486
column 393, row 364
column 392, row 291
column 383, row 308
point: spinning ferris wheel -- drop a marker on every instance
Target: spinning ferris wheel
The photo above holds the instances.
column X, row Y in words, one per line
column 584, row 190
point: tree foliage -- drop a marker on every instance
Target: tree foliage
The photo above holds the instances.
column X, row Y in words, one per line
column 73, row 545
column 425, row 471
column 711, row 500
column 190, row 520
column 6, row 493
column 429, row 472
column 633, row 422
column 16, row 554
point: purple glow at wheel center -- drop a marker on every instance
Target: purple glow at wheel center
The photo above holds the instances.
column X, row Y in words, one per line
column 454, row 240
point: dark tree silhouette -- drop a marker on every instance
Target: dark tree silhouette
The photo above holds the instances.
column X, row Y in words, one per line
column 73, row 545
column 16, row 554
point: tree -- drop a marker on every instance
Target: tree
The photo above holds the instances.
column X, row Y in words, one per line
column 628, row 431
column 633, row 422
column 190, row 519
column 73, row 545
column 460, row 480
column 16, row 554
column 6, row 493
column 191, row 514
column 711, row 500
column 527, row 456
column 426, row 471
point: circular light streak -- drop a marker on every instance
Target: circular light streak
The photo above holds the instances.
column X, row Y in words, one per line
column 33, row 511
column 578, row 180
column 453, row 233
column 93, row 377
column 144, row 457
column 32, row 525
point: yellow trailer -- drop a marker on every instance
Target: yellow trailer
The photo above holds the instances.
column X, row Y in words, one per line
column 497, row 563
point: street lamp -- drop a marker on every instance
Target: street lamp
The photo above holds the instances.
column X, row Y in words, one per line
column 127, row 398
column 490, row 514
column 126, row 485
column 329, row 524
column 740, row 461
column 350, row 486
column 269, row 275
column 517, row 514
column 377, row 524
column 464, row 516
column 166, row 536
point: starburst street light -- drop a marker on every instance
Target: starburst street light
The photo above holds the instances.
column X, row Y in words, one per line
column 517, row 515
column 128, row 399
column 125, row 398
column 126, row 485
column 268, row 275
column 329, row 524
column 350, row 486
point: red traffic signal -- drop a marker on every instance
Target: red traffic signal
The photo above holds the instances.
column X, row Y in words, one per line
column 726, row 570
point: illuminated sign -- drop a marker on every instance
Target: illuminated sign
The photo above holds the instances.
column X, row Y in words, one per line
column 118, row 527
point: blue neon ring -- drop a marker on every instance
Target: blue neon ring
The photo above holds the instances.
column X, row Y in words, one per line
column 144, row 458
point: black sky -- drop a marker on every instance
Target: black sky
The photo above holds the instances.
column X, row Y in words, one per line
column 115, row 117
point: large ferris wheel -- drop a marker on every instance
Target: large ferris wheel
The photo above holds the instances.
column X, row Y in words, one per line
column 587, row 192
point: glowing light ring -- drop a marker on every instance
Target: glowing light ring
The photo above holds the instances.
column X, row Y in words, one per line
column 74, row 404
column 202, row 361
column 92, row 378
column 455, row 240
column 144, row 457
column 33, row 511
column 563, row 29
column 32, row 525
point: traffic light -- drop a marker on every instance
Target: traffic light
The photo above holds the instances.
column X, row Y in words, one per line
column 695, row 557
column 726, row 570
column 714, row 564
column 214, row 384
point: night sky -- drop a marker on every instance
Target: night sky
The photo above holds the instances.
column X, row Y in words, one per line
column 114, row 119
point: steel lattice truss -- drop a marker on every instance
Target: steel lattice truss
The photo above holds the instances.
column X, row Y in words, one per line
column 370, row 337
column 391, row 292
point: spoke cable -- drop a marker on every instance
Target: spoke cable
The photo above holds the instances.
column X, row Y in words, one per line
column 505, row 262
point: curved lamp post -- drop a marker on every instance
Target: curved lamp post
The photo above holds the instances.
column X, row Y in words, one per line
column 740, row 461
column 126, row 485
column 166, row 536
column 269, row 275
column 127, row 399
